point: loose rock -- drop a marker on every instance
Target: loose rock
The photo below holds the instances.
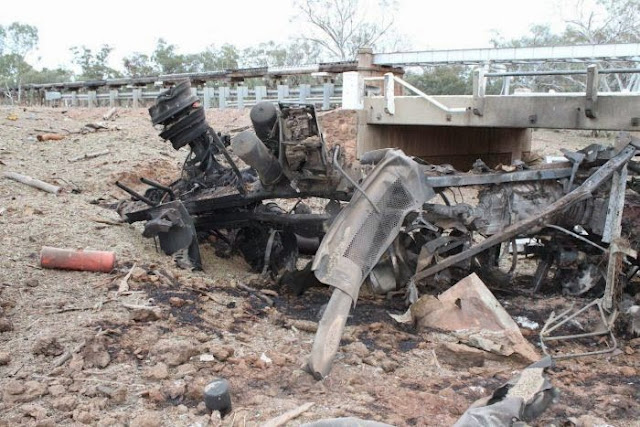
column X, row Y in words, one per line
column 47, row 346
column 222, row 353
column 176, row 302
column 460, row 355
column 96, row 355
column 174, row 352
column 65, row 404
column 6, row 325
column 159, row 371
column 5, row 358
column 147, row 419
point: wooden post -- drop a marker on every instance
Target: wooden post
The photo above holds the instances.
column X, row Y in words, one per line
column 74, row 98
column 327, row 92
column 92, row 98
column 113, row 97
column 222, row 96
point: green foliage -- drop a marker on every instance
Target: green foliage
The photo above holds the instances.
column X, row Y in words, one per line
column 443, row 80
column 138, row 65
column 19, row 38
column 213, row 59
column 168, row 60
column 47, row 75
column 297, row 52
column 16, row 41
column 539, row 35
column 93, row 65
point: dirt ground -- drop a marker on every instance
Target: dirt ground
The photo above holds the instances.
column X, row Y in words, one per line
column 74, row 350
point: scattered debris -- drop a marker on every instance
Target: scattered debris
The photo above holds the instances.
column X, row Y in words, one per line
column 47, row 346
column 345, row 422
column 603, row 330
column 111, row 114
column 526, row 323
column 123, row 285
column 525, row 397
column 470, row 312
column 70, row 259
column 288, row 416
column 89, row 156
column 50, row 137
column 390, row 226
column 217, row 396
column 104, row 221
column 95, row 126
column 32, row 182
column 143, row 313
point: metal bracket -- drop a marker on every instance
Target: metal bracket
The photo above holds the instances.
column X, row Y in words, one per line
column 479, row 89
column 554, row 322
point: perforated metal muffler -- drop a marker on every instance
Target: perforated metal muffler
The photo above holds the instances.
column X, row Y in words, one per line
column 355, row 242
column 366, row 227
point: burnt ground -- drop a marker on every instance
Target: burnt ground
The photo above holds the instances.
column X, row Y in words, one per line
column 75, row 352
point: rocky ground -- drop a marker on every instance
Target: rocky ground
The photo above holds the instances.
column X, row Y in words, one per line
column 76, row 348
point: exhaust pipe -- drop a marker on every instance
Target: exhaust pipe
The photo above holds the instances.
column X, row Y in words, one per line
column 253, row 152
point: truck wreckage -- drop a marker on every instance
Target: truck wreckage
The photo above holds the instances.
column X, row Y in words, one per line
column 386, row 217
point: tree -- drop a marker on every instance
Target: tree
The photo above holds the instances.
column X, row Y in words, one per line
column 138, row 64
column 341, row 27
column 610, row 21
column 93, row 65
column 213, row 59
column 168, row 61
column 605, row 21
column 16, row 41
column 20, row 39
column 296, row 52
column 443, row 80
column 47, row 75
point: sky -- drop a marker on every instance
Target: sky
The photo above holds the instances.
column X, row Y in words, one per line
column 135, row 26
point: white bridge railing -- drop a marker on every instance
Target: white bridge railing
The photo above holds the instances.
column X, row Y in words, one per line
column 324, row 96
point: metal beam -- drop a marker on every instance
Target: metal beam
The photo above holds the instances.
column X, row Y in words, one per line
column 464, row 179
column 230, row 74
column 612, row 52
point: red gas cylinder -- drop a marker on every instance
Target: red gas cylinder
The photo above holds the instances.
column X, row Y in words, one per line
column 71, row 259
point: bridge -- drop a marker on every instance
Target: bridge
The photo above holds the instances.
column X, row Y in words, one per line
column 519, row 55
column 453, row 129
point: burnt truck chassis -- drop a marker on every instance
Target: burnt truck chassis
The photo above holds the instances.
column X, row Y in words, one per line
column 391, row 231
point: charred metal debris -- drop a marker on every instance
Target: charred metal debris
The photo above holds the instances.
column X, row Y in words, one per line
column 281, row 190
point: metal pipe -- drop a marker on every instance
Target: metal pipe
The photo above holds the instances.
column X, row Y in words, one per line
column 159, row 186
column 134, row 194
column 348, row 178
column 218, row 143
column 577, row 236
column 562, row 72
column 429, row 98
